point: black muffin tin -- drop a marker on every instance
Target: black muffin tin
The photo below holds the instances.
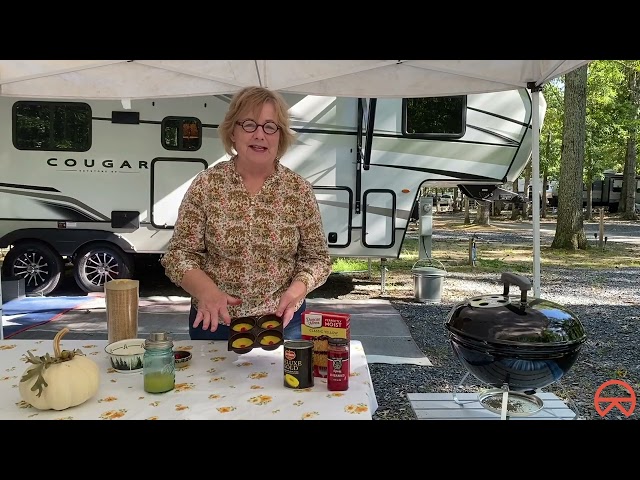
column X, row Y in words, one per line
column 247, row 333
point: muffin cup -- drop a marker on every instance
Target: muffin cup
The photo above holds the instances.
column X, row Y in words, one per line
column 264, row 332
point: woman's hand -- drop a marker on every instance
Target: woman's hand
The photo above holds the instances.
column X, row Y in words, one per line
column 289, row 300
column 212, row 309
column 212, row 302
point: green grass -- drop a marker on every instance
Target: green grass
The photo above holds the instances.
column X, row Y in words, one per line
column 496, row 258
column 348, row 265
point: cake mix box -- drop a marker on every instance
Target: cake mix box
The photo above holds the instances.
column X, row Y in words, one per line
column 319, row 327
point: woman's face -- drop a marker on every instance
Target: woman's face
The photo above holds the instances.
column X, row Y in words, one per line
column 257, row 146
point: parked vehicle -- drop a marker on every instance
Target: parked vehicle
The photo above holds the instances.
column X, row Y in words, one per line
column 606, row 192
column 445, row 202
column 96, row 185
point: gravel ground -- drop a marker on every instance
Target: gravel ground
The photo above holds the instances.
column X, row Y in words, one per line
column 606, row 302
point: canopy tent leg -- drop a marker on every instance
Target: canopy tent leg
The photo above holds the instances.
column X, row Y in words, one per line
column 536, row 188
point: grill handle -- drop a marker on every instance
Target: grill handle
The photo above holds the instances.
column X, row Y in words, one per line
column 524, row 283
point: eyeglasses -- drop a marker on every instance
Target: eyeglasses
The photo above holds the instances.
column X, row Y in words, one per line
column 250, row 126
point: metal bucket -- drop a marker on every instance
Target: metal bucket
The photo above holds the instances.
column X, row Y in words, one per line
column 428, row 283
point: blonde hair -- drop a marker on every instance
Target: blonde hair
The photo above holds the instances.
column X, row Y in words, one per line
column 250, row 99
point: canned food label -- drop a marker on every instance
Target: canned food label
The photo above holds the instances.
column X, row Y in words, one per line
column 298, row 364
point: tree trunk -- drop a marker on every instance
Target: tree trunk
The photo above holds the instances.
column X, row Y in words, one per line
column 515, row 209
column 590, row 201
column 467, row 219
column 482, row 213
column 545, row 185
column 545, row 177
column 570, row 228
column 527, row 208
column 628, row 200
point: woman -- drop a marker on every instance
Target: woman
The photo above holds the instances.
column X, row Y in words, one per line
column 249, row 239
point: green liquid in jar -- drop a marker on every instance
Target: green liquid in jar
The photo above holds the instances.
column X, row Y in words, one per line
column 159, row 382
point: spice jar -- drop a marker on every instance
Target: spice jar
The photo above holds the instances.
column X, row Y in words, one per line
column 158, row 363
column 338, row 364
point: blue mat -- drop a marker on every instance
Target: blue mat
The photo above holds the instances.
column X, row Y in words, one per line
column 22, row 314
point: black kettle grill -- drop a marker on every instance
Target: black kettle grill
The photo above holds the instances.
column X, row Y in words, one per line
column 509, row 340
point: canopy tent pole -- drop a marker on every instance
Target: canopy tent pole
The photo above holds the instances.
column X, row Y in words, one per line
column 535, row 182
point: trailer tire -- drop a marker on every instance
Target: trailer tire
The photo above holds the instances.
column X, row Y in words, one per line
column 36, row 262
column 99, row 263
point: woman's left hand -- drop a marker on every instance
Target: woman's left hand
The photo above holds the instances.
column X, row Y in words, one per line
column 289, row 301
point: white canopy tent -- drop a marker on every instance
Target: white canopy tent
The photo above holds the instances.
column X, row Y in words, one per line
column 136, row 79
column 129, row 79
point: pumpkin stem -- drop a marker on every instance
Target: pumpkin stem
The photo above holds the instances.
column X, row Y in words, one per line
column 56, row 341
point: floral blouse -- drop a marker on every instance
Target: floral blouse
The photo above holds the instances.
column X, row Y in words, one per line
column 252, row 246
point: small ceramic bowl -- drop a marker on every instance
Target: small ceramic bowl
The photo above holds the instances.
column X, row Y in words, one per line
column 126, row 355
column 182, row 358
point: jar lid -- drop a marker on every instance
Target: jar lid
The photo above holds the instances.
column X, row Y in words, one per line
column 338, row 341
column 158, row 340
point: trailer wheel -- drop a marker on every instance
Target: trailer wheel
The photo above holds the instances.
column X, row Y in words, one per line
column 36, row 262
column 99, row 263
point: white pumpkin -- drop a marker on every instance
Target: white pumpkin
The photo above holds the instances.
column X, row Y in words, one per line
column 55, row 383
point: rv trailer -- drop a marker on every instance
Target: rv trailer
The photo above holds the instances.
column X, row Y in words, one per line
column 95, row 184
column 607, row 191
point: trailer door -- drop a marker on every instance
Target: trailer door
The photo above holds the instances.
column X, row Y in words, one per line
column 336, row 205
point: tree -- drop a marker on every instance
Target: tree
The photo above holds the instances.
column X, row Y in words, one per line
column 526, row 206
column 552, row 129
column 482, row 213
column 515, row 208
column 630, row 164
column 570, row 228
column 467, row 218
column 545, row 175
column 606, row 120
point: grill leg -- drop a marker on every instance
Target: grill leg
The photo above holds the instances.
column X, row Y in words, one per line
column 458, row 387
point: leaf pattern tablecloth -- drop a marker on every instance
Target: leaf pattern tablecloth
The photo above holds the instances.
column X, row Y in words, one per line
column 216, row 385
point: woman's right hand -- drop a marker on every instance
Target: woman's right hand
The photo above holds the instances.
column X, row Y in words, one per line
column 212, row 301
column 212, row 309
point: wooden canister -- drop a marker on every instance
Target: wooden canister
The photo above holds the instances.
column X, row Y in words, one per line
column 121, row 299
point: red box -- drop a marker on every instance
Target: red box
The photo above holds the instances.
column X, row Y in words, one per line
column 319, row 327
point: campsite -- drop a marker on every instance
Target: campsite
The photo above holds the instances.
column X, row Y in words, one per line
column 372, row 154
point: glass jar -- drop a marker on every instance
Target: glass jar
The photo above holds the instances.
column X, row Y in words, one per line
column 338, row 364
column 158, row 363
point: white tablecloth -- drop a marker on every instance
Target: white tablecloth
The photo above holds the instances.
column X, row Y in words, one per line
column 216, row 385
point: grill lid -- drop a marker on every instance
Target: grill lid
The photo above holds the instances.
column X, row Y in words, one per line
column 515, row 320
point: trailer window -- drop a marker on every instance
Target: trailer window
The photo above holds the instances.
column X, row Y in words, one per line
column 54, row 126
column 181, row 133
column 617, row 185
column 434, row 117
